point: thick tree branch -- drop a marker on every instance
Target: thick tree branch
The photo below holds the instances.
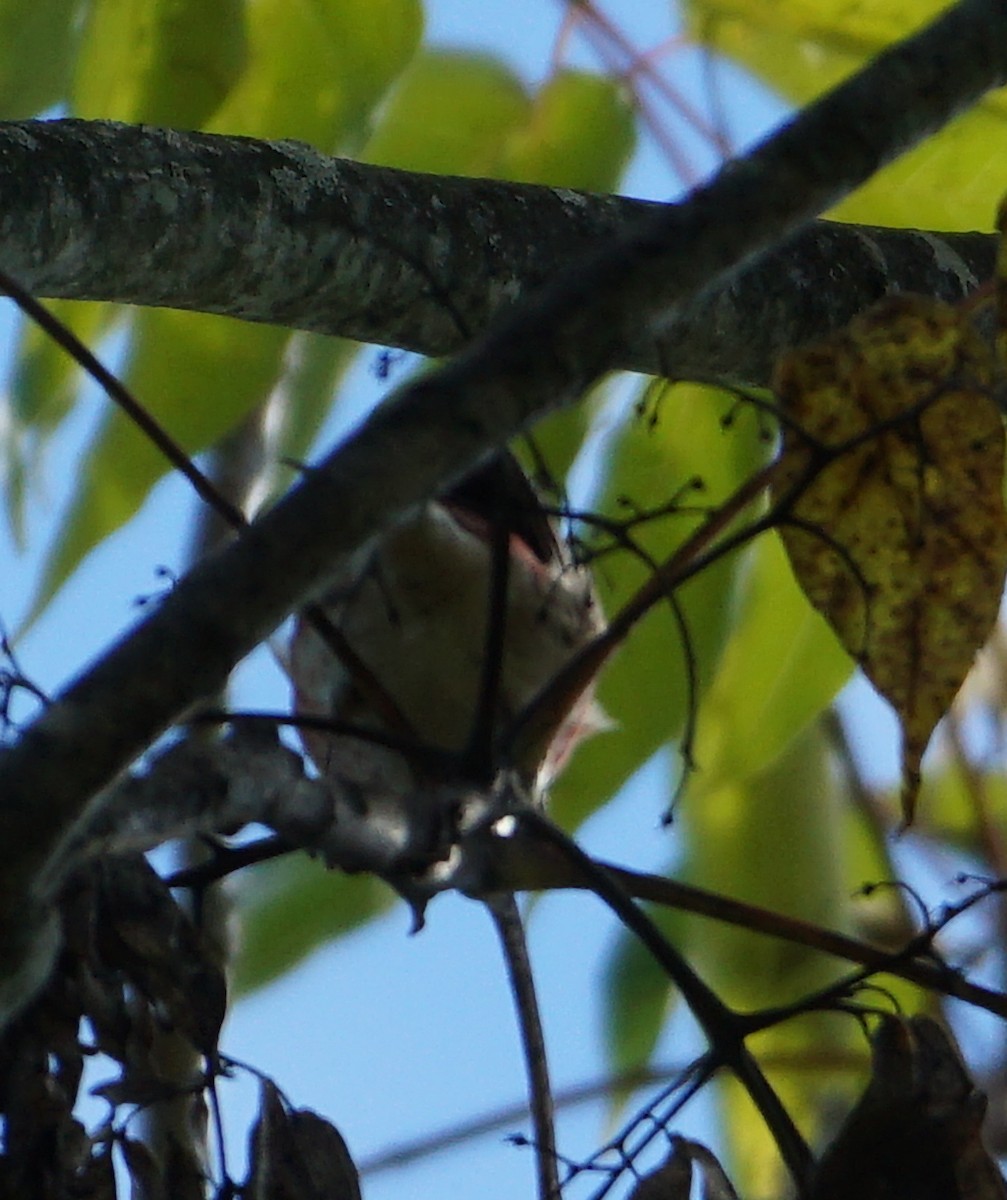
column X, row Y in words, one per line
column 277, row 232
column 542, row 356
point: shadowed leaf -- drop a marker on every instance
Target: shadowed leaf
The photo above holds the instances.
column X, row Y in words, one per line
column 915, row 1133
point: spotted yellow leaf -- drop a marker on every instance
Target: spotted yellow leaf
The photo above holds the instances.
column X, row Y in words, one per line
column 890, row 480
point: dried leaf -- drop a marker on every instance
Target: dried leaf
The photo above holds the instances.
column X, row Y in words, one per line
column 144, row 933
column 297, row 1155
column 892, row 460
column 673, row 1178
column 324, row 1157
column 671, row 1181
column 915, row 1132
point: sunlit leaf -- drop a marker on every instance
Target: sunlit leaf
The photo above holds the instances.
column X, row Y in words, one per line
column 45, row 376
column 781, row 668
column 803, row 47
column 450, row 113
column 775, row 838
column 579, row 133
column 195, row 374
column 952, row 801
column 900, row 536
column 315, row 366
column 164, row 62
column 315, row 70
column 557, row 440
column 646, row 689
column 880, row 914
column 167, row 62
column 815, row 27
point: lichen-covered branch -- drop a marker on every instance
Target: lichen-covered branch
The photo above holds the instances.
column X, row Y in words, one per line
column 277, row 232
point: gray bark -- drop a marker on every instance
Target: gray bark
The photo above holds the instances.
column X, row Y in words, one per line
column 277, row 232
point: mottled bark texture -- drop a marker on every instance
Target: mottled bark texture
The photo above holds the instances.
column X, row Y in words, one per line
column 543, row 354
column 277, row 232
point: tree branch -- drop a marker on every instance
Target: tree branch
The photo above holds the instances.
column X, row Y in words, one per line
column 542, row 356
column 277, row 232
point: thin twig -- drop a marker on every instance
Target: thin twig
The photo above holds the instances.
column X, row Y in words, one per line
column 510, row 930
column 724, row 1029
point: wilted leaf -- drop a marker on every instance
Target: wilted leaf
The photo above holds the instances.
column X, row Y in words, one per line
column 915, row 1133
column 897, row 531
column 136, row 1088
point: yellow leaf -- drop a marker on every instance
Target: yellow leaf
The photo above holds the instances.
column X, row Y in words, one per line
column 893, row 454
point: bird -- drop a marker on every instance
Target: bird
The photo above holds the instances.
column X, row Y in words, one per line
column 415, row 608
column 447, row 625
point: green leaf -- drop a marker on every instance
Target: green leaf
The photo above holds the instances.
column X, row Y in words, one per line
column 782, row 667
column 579, row 133
column 316, row 365
column 198, row 376
column 469, row 114
column 314, row 71
column 637, row 997
column 450, row 114
column 886, row 916
column 164, row 62
column 317, row 68
column 645, row 689
column 45, row 376
column 294, row 907
column 42, row 392
column 37, row 44
column 817, row 1064
column 557, row 440
column 810, row 43
column 780, row 839
column 803, row 47
column 774, row 838
column 955, row 804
